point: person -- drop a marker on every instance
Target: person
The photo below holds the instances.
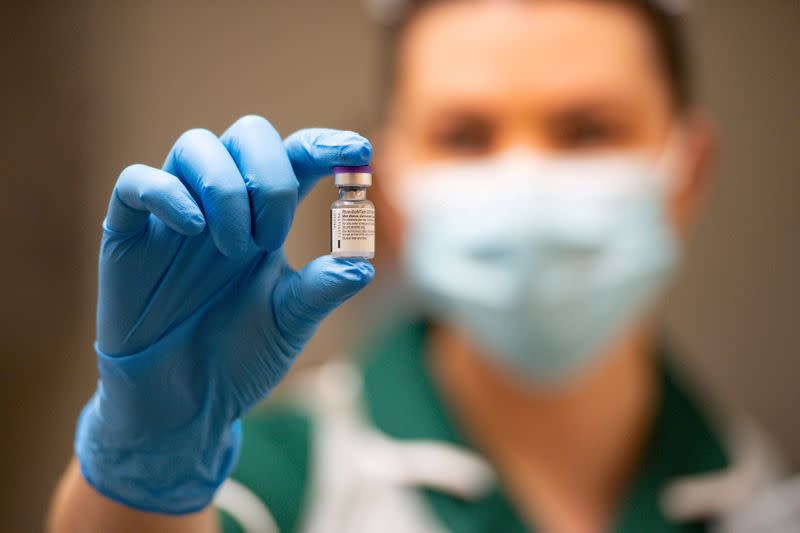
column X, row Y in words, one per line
column 538, row 168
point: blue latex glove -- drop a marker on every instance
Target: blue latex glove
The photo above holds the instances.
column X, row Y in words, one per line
column 199, row 315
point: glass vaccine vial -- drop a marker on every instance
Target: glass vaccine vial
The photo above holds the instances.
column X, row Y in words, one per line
column 352, row 215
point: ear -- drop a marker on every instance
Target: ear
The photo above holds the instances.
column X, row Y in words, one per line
column 700, row 144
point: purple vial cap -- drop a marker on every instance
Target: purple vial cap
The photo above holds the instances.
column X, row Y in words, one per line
column 352, row 170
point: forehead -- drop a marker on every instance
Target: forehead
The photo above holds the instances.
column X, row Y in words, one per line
column 545, row 50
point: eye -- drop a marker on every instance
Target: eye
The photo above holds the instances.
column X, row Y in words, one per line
column 463, row 138
column 582, row 132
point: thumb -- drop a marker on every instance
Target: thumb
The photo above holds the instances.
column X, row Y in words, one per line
column 303, row 298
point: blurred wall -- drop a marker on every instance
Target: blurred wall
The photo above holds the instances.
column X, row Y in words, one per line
column 45, row 270
column 735, row 310
column 94, row 86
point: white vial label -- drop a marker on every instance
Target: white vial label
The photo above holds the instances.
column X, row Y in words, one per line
column 353, row 231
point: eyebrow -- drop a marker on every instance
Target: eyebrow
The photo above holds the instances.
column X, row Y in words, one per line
column 597, row 108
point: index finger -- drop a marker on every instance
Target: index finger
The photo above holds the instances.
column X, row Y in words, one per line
column 314, row 152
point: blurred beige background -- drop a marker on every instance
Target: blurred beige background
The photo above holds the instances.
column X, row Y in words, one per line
column 91, row 87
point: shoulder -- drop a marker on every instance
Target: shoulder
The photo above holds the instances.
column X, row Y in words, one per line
column 273, row 470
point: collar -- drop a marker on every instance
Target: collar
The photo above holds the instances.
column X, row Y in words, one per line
column 402, row 401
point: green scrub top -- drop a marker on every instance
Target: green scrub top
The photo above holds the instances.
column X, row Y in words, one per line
column 402, row 401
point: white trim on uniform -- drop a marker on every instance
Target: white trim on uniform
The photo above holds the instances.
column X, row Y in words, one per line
column 361, row 480
column 245, row 507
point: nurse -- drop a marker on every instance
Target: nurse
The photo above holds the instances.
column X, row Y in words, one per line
column 539, row 165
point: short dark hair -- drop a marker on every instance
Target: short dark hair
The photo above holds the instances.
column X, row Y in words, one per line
column 666, row 28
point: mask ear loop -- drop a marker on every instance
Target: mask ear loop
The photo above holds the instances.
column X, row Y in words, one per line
column 671, row 163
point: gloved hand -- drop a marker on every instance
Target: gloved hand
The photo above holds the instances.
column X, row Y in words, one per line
column 199, row 315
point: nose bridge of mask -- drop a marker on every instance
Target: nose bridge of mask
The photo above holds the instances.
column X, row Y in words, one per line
column 563, row 194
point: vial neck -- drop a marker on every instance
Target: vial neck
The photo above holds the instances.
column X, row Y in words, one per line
column 352, row 193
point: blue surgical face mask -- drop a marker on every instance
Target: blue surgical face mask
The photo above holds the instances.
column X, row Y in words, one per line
column 542, row 261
